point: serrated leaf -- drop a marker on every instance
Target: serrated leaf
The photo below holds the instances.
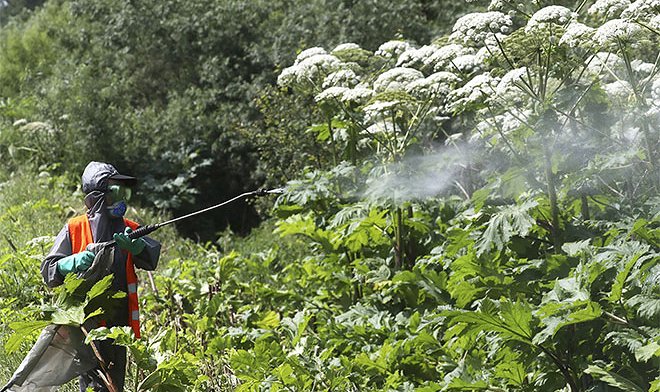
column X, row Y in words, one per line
column 558, row 316
column 100, row 287
column 512, row 321
column 613, row 379
column 74, row 316
column 22, row 330
column 576, row 248
column 269, row 321
column 509, row 221
column 622, row 276
column 644, row 353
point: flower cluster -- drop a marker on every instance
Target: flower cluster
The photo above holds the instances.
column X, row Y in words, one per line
column 434, row 85
column 331, row 94
column 396, row 79
column 508, row 88
column 473, row 29
column 477, row 90
column 609, row 9
column 642, row 10
column 507, row 123
column 343, row 78
column 618, row 91
column 417, row 57
column 357, row 94
column 655, row 22
column 642, row 68
column 553, row 14
column 655, row 91
column 576, row 34
column 605, row 63
column 310, row 65
column 311, row 52
column 443, row 57
column 380, row 109
column 392, row 49
column 467, row 63
column 346, row 46
column 615, row 30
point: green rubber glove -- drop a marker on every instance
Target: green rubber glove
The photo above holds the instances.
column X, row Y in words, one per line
column 134, row 246
column 75, row 263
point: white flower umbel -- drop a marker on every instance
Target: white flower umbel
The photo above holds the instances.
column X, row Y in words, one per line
column 607, row 65
column 510, row 86
column 554, row 14
column 442, row 57
column 309, row 69
column 512, row 7
column 334, row 93
column 615, row 30
column 396, row 79
column 359, row 94
column 642, row 10
column 473, row 29
column 576, row 34
column 477, row 90
column 654, row 23
column 618, row 91
column 642, row 68
column 380, row 109
column 655, row 91
column 438, row 84
column 609, row 9
column 417, row 57
column 466, row 64
column 307, row 53
column 342, row 78
column 346, row 46
column 380, row 127
column 392, row 49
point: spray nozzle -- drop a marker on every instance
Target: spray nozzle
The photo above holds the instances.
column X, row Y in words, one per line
column 264, row 192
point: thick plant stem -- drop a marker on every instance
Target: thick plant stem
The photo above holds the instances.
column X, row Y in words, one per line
column 563, row 368
column 584, row 206
column 552, row 195
column 398, row 238
column 651, row 150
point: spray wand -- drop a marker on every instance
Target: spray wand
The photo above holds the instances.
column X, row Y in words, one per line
column 144, row 230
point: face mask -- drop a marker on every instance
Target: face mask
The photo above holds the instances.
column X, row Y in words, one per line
column 117, row 209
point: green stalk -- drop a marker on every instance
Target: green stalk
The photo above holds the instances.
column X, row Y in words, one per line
column 398, row 241
column 332, row 142
column 552, row 195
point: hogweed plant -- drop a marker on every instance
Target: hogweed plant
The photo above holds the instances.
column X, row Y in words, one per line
column 555, row 108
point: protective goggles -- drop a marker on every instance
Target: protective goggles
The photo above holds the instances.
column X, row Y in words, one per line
column 119, row 192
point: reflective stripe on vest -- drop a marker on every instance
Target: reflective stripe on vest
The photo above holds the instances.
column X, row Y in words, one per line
column 80, row 233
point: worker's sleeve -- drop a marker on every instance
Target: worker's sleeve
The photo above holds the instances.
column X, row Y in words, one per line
column 148, row 258
column 61, row 248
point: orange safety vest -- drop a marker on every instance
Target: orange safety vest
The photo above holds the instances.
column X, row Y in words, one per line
column 80, row 233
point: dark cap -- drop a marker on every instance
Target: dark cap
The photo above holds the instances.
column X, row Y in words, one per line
column 96, row 176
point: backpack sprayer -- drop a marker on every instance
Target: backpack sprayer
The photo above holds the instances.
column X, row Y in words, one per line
column 144, row 230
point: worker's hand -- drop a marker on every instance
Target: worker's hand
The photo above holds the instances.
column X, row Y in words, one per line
column 75, row 263
column 135, row 246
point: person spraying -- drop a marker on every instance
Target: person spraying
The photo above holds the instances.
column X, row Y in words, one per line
column 106, row 193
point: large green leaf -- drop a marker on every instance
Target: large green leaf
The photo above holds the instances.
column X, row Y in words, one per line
column 613, row 379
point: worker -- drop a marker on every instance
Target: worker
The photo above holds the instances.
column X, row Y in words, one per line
column 106, row 193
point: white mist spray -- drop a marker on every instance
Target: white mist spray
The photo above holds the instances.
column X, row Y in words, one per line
column 420, row 177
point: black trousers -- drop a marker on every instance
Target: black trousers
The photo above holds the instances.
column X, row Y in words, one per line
column 115, row 359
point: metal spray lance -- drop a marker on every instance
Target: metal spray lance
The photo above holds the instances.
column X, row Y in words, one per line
column 144, row 230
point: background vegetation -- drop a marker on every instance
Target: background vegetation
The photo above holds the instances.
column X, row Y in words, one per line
column 471, row 198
